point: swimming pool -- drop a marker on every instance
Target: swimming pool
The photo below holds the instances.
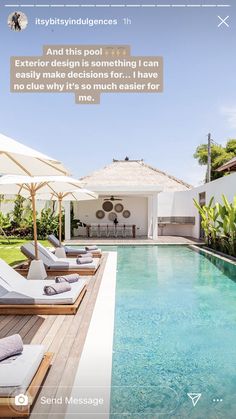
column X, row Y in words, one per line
column 175, row 333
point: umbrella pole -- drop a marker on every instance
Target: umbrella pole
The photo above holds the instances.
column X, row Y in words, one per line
column 35, row 224
column 60, row 226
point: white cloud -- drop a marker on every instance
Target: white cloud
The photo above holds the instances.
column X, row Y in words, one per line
column 230, row 113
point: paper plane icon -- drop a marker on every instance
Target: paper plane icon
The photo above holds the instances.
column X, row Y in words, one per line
column 194, row 397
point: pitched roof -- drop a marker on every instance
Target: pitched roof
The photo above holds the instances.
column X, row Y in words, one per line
column 229, row 165
column 133, row 173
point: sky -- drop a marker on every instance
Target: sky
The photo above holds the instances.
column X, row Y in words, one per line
column 164, row 129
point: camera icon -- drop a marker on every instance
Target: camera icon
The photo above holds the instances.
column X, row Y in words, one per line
column 21, row 400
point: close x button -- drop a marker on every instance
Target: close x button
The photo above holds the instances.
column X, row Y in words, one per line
column 223, row 21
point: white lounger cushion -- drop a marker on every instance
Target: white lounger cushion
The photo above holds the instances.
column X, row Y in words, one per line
column 53, row 262
column 74, row 265
column 15, row 289
column 73, row 250
column 17, row 372
column 47, row 253
column 69, row 249
column 10, row 276
column 33, row 294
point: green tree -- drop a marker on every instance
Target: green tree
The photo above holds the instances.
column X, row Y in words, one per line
column 17, row 213
column 5, row 225
column 219, row 156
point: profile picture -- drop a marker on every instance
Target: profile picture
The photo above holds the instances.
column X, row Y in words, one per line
column 17, row 21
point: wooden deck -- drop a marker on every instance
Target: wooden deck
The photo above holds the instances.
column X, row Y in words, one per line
column 138, row 241
column 65, row 336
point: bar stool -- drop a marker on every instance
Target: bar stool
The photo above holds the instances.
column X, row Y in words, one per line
column 111, row 230
column 124, row 230
column 103, row 230
column 119, row 231
column 94, row 230
column 128, row 231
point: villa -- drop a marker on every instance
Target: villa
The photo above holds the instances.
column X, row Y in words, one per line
column 147, row 201
column 105, row 320
column 118, row 209
column 149, row 204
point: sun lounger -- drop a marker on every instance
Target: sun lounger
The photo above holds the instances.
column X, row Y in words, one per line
column 21, row 296
column 22, row 374
column 73, row 251
column 54, row 265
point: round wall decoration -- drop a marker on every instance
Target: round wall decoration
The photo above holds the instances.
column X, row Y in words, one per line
column 112, row 216
column 107, row 206
column 119, row 208
column 100, row 214
column 126, row 214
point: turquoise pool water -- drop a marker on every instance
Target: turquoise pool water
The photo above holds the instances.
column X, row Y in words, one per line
column 175, row 333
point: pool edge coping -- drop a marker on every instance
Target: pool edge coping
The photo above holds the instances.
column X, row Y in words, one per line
column 211, row 252
column 94, row 371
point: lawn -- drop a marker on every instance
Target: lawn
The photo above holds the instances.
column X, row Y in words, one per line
column 10, row 252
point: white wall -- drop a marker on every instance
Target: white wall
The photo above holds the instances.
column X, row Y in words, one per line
column 181, row 203
column 138, row 206
column 223, row 186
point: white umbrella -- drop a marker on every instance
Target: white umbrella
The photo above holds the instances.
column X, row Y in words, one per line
column 34, row 187
column 18, row 159
column 73, row 195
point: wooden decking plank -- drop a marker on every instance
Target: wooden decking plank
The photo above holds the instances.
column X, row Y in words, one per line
column 54, row 379
column 58, row 341
column 31, row 328
column 68, row 376
column 58, row 366
column 53, row 331
column 12, row 324
column 44, row 329
column 19, row 325
column 4, row 320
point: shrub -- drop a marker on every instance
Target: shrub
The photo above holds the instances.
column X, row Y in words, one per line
column 19, row 222
column 48, row 223
column 219, row 224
